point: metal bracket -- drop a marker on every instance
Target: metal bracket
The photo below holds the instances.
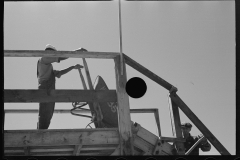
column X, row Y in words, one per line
column 173, row 89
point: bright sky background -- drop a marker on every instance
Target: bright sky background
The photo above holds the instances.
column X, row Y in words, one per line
column 189, row 44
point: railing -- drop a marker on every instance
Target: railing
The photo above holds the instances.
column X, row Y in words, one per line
column 62, row 111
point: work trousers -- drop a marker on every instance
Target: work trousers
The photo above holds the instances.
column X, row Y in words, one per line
column 46, row 109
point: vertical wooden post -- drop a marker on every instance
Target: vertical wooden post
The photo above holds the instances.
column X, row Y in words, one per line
column 124, row 120
column 177, row 127
column 158, row 122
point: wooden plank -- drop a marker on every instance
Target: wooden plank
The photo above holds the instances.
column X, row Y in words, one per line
column 124, row 119
column 21, row 138
column 52, row 150
column 98, row 148
column 172, row 139
column 137, row 151
column 101, row 140
column 91, row 154
column 72, row 54
column 146, row 135
column 190, row 0
column 205, row 131
column 166, row 149
column 14, row 154
column 63, row 130
column 29, row 96
column 97, row 153
column 143, row 110
column 156, row 115
column 14, row 151
column 147, row 73
column 177, row 126
column 70, row 147
column 100, row 145
column 68, row 111
column 82, row 79
column 51, row 154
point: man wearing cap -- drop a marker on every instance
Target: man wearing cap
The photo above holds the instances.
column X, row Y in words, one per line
column 191, row 140
column 46, row 80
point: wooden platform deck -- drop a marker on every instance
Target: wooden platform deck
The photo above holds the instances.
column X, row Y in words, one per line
column 79, row 142
column 99, row 141
column 62, row 142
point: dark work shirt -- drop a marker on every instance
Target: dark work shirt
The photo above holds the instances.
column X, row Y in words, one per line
column 191, row 140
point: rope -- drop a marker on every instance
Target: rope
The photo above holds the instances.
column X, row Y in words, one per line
column 79, row 105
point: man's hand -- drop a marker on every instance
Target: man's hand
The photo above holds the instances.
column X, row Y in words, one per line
column 204, row 141
column 81, row 49
column 78, row 66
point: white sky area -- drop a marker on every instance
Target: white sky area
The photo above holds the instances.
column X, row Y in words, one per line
column 189, row 44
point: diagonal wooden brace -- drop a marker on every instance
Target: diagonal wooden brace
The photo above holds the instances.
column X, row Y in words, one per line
column 214, row 141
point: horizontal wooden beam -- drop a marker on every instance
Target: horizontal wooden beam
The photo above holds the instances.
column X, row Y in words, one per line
column 59, row 96
column 144, row 110
column 72, row 54
column 147, row 73
column 148, row 110
column 172, row 139
column 214, row 141
column 55, row 137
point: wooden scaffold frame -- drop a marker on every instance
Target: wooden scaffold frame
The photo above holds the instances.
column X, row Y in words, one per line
column 119, row 95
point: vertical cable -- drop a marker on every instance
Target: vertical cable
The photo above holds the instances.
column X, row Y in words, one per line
column 120, row 33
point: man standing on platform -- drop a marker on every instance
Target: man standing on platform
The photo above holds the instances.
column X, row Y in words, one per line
column 46, row 80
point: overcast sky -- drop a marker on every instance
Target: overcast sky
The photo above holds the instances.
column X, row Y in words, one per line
column 189, row 44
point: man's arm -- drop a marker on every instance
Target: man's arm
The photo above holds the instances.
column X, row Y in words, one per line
column 58, row 74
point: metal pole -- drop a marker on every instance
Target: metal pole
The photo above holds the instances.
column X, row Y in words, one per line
column 83, row 81
column 194, row 146
column 120, row 33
